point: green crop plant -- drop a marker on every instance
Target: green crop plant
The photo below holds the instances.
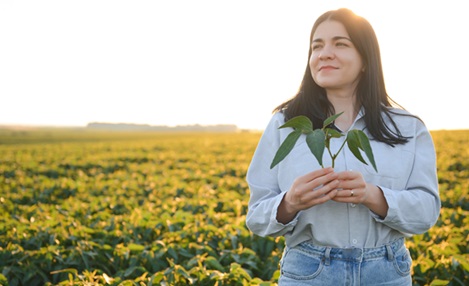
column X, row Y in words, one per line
column 319, row 139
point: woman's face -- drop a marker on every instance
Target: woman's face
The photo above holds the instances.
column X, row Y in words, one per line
column 335, row 63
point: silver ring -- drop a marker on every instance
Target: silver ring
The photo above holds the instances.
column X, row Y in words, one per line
column 351, row 193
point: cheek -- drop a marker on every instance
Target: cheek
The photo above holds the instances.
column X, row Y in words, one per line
column 313, row 61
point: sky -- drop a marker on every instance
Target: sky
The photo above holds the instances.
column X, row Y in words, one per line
column 184, row 62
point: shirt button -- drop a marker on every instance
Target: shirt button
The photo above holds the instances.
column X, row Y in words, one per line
column 353, row 205
column 354, row 241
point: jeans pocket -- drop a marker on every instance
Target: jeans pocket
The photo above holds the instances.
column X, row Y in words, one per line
column 301, row 265
column 403, row 262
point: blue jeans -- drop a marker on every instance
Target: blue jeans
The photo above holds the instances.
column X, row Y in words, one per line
column 307, row 264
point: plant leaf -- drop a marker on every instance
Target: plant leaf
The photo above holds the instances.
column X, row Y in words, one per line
column 286, row 147
column 353, row 143
column 366, row 147
column 357, row 139
column 213, row 263
column 316, row 144
column 332, row 133
column 300, row 123
column 331, row 119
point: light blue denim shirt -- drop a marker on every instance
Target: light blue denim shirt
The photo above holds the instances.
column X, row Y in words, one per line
column 406, row 175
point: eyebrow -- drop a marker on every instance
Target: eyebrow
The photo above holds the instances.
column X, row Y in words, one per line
column 334, row 38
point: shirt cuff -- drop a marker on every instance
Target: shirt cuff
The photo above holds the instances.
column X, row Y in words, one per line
column 290, row 225
column 392, row 207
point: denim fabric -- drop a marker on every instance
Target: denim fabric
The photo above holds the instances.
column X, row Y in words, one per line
column 307, row 264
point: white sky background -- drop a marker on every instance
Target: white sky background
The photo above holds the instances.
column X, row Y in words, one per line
column 68, row 63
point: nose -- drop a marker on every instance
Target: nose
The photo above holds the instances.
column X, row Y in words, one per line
column 326, row 53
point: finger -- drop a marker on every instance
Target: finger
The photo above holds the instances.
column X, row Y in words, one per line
column 313, row 180
column 341, row 198
column 350, row 180
column 347, row 184
column 347, row 175
column 316, row 174
column 326, row 188
column 321, row 181
column 317, row 200
column 348, row 193
column 327, row 197
column 329, row 189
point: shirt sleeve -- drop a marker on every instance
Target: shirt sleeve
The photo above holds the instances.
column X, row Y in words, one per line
column 415, row 209
column 265, row 193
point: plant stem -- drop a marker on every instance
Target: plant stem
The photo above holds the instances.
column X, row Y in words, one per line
column 330, row 154
column 333, row 157
column 341, row 147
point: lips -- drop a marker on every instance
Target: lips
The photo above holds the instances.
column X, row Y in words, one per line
column 327, row 68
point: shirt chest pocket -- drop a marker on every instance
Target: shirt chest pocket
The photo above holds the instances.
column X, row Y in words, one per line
column 394, row 166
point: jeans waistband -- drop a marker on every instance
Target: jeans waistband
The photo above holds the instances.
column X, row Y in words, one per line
column 353, row 253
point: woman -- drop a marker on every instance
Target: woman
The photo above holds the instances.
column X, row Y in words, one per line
column 345, row 226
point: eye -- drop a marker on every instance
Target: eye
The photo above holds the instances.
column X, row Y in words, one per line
column 316, row 46
column 342, row 44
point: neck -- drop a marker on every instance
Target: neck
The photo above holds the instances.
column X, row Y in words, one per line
column 346, row 104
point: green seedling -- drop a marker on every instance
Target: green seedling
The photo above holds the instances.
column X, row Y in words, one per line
column 319, row 139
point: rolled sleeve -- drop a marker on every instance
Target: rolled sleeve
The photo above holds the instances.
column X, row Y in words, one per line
column 262, row 218
column 416, row 208
column 265, row 193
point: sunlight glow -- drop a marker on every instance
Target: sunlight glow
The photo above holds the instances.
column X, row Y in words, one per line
column 209, row 62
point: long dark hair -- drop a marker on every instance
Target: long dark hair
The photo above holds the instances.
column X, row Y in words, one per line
column 311, row 99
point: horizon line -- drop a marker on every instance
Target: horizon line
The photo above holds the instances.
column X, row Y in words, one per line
column 38, row 126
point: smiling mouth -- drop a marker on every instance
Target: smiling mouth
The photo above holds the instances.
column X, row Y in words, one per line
column 327, row 68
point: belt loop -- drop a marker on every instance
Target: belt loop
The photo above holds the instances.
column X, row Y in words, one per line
column 390, row 253
column 327, row 256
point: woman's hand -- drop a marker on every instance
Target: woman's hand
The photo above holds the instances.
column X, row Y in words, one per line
column 353, row 189
column 308, row 190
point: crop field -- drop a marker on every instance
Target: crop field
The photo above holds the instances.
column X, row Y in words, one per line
column 81, row 207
